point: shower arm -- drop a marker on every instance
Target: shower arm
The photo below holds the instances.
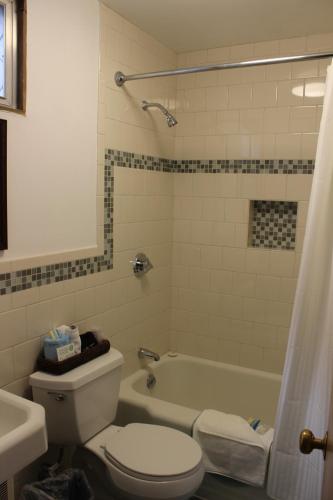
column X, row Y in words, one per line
column 121, row 78
column 147, row 105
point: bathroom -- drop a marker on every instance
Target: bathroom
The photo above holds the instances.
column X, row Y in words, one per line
column 212, row 186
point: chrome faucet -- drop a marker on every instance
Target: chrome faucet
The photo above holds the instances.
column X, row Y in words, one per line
column 146, row 353
column 141, row 265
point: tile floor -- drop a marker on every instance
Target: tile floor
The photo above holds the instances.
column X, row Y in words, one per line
column 221, row 488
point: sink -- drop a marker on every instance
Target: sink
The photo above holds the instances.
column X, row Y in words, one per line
column 22, row 433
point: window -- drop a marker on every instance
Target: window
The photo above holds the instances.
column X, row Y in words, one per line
column 12, row 54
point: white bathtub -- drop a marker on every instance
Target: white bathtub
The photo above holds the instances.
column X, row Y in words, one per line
column 186, row 385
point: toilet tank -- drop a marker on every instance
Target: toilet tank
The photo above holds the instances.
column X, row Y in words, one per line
column 82, row 402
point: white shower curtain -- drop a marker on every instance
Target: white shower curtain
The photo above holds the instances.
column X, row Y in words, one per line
column 306, row 387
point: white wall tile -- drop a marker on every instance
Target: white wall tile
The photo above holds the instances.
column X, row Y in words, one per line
column 276, row 119
column 6, row 367
column 238, row 146
column 262, row 146
column 223, row 234
column 299, row 188
column 290, row 93
column 244, row 284
column 236, row 210
column 251, row 121
column 288, row 146
column 211, row 257
column 275, row 72
column 221, row 281
column 202, row 232
column 281, row 263
column 303, row 119
column 305, row 69
column 213, row 209
column 228, row 122
column 264, row 94
column 39, row 319
column 215, row 147
column 25, row 357
column 233, row 259
column 240, row 96
column 251, row 356
column 228, row 352
column 257, row 261
column 217, row 98
column 255, row 310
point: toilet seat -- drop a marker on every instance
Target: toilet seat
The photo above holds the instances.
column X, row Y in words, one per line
column 149, row 483
column 153, row 452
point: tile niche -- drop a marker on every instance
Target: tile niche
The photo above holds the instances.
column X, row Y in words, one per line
column 273, row 224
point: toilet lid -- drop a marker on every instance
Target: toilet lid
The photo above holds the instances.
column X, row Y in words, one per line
column 153, row 450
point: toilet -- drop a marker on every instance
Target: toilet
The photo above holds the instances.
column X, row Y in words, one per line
column 138, row 461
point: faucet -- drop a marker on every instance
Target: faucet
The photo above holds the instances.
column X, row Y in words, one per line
column 146, row 353
column 141, row 265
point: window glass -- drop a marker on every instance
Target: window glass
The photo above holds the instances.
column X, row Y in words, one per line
column 2, row 51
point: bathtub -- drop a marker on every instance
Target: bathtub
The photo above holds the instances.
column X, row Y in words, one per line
column 186, row 385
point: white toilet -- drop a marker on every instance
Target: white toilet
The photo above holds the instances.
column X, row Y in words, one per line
column 139, row 461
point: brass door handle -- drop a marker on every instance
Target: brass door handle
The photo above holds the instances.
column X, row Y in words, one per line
column 308, row 442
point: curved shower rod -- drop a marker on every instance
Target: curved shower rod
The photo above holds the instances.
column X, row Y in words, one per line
column 120, row 78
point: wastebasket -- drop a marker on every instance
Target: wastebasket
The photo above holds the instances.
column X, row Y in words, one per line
column 70, row 485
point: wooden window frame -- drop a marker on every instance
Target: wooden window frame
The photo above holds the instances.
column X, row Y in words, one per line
column 18, row 99
column 3, row 186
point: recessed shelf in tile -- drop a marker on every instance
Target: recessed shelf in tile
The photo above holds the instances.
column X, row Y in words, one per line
column 273, row 224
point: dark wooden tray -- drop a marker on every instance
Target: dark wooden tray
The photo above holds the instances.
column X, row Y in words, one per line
column 60, row 367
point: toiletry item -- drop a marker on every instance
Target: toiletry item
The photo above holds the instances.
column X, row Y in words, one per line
column 51, row 346
column 53, row 334
column 88, row 340
column 74, row 337
column 72, row 332
column 63, row 329
column 98, row 334
column 257, row 425
column 65, row 352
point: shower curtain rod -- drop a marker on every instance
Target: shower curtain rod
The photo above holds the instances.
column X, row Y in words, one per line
column 120, row 78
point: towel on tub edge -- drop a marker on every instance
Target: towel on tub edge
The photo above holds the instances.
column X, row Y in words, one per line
column 231, row 447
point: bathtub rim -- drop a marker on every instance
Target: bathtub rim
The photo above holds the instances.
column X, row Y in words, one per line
column 180, row 416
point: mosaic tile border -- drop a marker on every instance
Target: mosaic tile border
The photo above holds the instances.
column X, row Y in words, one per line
column 289, row 167
column 143, row 162
column 273, row 224
column 43, row 275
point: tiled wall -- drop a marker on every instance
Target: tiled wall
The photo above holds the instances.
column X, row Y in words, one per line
column 261, row 112
column 123, row 124
column 130, row 312
column 232, row 302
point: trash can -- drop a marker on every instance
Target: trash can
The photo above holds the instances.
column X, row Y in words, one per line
column 70, row 485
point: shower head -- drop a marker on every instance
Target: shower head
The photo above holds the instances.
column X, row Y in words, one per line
column 171, row 120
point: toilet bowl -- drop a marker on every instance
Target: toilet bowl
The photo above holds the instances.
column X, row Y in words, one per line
column 147, row 461
column 139, row 461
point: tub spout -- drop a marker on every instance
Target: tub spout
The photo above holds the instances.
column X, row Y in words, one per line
column 146, row 353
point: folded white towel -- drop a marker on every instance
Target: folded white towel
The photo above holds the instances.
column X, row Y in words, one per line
column 231, row 447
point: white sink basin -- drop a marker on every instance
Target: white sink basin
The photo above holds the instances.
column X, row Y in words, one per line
column 22, row 433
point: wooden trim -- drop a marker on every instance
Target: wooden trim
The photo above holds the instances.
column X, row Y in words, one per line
column 21, row 60
column 21, row 54
column 3, row 185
